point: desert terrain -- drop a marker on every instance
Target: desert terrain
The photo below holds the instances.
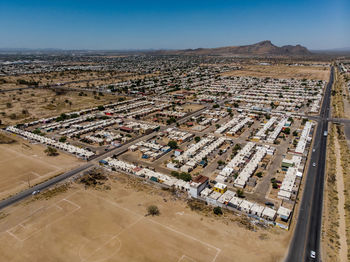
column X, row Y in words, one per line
column 282, row 71
column 27, row 105
column 110, row 225
column 23, row 164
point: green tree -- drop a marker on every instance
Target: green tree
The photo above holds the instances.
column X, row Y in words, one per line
column 50, row 151
column 185, row 176
column 286, row 131
column 172, row 144
column 197, row 139
column 175, row 174
column 220, row 162
column 240, row 193
column 259, row 174
column 62, row 139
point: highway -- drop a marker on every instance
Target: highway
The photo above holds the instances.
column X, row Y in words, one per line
column 307, row 232
column 93, row 161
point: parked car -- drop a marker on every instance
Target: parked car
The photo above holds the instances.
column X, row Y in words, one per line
column 269, row 204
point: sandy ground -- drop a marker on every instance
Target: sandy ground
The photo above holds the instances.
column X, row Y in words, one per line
column 93, row 225
column 45, row 103
column 87, row 78
column 23, row 164
column 341, row 204
column 282, row 71
column 191, row 107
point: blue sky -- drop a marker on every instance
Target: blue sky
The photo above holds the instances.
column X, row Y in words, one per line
column 101, row 24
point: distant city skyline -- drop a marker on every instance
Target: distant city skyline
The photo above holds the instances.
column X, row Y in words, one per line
column 117, row 25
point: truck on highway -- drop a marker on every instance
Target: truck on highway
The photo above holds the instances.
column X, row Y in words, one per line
column 325, row 133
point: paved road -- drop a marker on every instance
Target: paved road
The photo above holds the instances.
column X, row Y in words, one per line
column 28, row 192
column 16, row 89
column 308, row 228
column 42, row 186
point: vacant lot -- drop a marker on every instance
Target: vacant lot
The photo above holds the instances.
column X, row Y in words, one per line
column 94, row 225
column 22, row 106
column 23, row 164
column 75, row 78
column 282, row 71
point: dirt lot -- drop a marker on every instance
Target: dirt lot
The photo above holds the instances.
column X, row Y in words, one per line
column 282, row 71
column 94, row 225
column 191, row 107
column 84, row 79
column 26, row 105
column 22, row 163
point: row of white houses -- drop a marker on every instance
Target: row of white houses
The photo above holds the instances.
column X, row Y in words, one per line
column 228, row 199
column 250, row 168
column 236, row 161
column 79, row 152
column 195, row 160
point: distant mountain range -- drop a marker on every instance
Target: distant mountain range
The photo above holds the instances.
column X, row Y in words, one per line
column 265, row 48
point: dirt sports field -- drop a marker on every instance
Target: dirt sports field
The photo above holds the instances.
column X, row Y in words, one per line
column 282, row 71
column 22, row 163
column 110, row 225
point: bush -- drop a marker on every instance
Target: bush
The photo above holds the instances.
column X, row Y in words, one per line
column 153, row 210
column 217, row 211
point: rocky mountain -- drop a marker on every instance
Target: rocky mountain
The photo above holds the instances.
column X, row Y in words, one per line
column 264, row 48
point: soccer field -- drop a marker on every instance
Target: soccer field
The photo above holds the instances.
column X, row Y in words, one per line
column 93, row 225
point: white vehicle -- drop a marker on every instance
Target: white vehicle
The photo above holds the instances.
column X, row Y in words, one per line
column 313, row 164
column 35, row 192
column 313, row 254
column 313, row 150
